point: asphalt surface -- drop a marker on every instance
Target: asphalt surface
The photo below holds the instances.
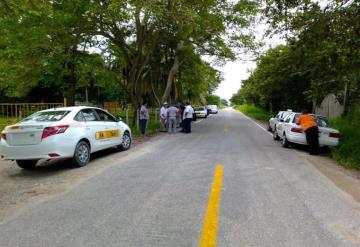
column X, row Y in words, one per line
column 270, row 196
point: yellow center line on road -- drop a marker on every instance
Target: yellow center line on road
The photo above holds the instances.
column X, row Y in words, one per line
column 226, row 128
column 209, row 231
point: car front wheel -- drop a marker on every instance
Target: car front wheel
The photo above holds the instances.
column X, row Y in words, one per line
column 26, row 164
column 275, row 135
column 82, row 154
column 126, row 142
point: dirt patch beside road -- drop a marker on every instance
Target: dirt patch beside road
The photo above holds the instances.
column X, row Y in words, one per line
column 21, row 188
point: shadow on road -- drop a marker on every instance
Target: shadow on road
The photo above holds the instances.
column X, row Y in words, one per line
column 53, row 167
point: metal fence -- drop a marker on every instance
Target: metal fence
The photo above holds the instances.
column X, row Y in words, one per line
column 10, row 113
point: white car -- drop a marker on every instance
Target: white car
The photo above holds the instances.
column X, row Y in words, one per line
column 289, row 132
column 278, row 118
column 68, row 132
column 200, row 111
column 213, row 109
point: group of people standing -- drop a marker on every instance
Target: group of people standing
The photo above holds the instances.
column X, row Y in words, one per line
column 171, row 117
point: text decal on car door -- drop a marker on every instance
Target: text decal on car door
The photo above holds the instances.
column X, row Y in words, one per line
column 106, row 134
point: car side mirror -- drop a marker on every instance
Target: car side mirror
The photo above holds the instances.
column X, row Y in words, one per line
column 119, row 118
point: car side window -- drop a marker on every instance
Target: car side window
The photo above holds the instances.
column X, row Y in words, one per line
column 104, row 116
column 296, row 116
column 79, row 117
column 86, row 115
column 287, row 120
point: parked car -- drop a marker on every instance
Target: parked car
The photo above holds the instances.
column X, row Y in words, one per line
column 200, row 112
column 289, row 132
column 278, row 118
column 213, row 109
column 67, row 132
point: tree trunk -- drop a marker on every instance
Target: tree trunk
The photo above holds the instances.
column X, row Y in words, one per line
column 174, row 69
column 71, row 82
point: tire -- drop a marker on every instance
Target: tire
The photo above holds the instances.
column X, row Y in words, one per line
column 126, row 142
column 284, row 142
column 269, row 128
column 81, row 154
column 275, row 135
column 26, row 164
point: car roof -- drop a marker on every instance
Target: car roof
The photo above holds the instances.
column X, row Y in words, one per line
column 69, row 108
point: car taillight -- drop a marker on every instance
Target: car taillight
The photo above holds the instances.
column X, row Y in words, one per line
column 297, row 130
column 3, row 136
column 334, row 135
column 54, row 130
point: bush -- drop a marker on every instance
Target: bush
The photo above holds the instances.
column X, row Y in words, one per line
column 348, row 151
column 254, row 112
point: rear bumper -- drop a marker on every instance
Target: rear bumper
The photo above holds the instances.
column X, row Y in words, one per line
column 36, row 152
column 300, row 138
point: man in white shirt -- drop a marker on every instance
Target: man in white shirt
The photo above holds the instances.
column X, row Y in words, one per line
column 163, row 116
column 187, row 117
column 171, row 112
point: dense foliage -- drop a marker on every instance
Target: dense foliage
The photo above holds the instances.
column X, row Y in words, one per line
column 125, row 50
column 322, row 56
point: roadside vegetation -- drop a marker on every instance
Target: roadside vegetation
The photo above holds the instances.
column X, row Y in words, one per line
column 254, row 112
column 348, row 152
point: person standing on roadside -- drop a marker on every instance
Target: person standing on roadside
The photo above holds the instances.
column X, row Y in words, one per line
column 311, row 130
column 163, row 116
column 172, row 111
column 143, row 117
column 182, row 122
column 187, row 118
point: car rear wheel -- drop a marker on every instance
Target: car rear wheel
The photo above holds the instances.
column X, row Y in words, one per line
column 26, row 164
column 284, row 142
column 126, row 142
column 82, row 154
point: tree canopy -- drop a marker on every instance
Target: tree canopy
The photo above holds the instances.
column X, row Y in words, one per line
column 321, row 56
column 113, row 49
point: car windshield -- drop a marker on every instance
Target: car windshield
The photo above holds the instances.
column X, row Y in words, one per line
column 199, row 108
column 47, row 116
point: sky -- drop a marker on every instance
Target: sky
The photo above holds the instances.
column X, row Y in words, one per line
column 235, row 72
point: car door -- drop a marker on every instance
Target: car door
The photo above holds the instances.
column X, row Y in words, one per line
column 285, row 125
column 93, row 127
column 112, row 134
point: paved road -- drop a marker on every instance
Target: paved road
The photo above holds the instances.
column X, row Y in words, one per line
column 270, row 196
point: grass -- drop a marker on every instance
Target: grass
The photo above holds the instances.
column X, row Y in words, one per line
column 151, row 128
column 348, row 151
column 7, row 121
column 254, row 112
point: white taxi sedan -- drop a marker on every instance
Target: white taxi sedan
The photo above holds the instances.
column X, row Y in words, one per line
column 289, row 132
column 68, row 132
column 201, row 112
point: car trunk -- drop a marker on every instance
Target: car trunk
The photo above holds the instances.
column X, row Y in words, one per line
column 24, row 134
column 324, row 134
